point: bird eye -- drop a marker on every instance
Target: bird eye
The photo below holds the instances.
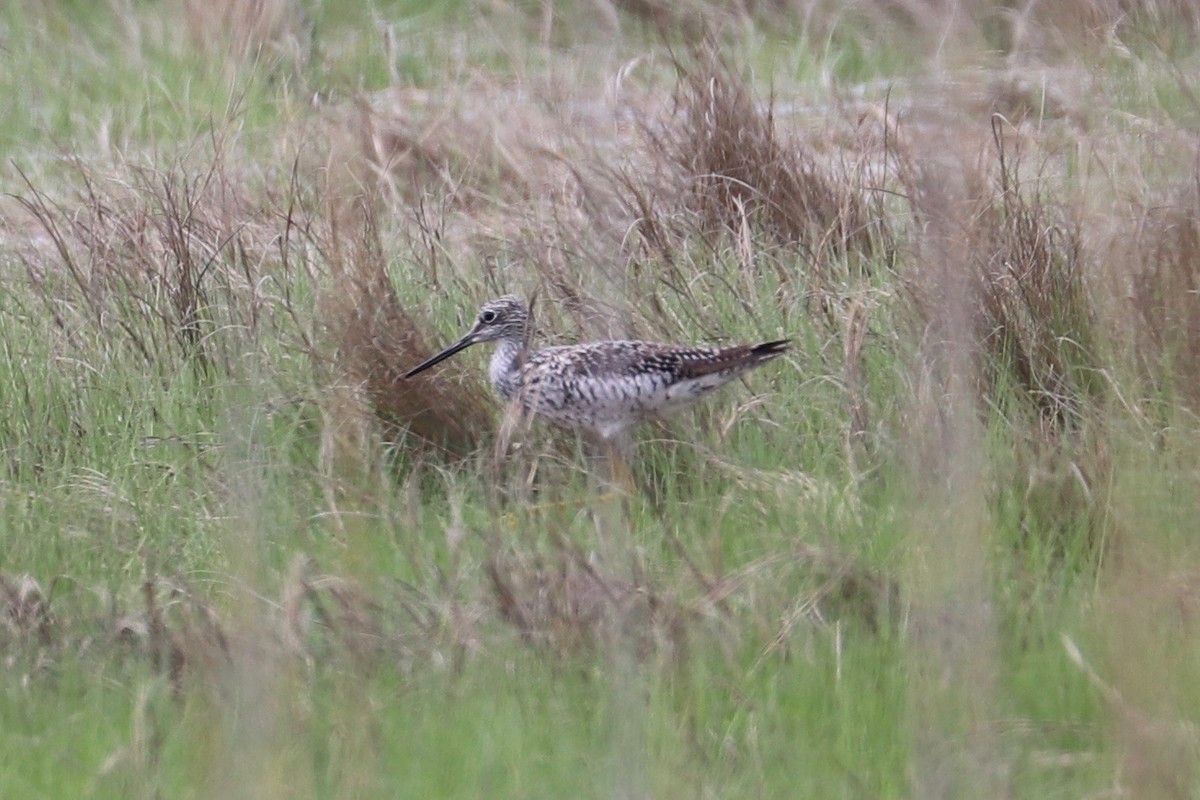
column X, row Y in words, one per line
column 487, row 317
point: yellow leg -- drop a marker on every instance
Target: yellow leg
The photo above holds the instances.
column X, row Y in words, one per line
column 620, row 475
column 619, row 484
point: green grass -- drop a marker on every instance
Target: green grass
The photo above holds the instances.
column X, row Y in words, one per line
column 224, row 574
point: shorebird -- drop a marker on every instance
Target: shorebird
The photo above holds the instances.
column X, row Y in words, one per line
column 603, row 387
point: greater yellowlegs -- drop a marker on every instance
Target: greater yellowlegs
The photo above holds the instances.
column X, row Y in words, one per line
column 605, row 387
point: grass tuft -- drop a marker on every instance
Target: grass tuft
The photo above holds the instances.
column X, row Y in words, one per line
column 741, row 176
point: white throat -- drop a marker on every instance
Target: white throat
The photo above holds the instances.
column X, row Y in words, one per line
column 505, row 366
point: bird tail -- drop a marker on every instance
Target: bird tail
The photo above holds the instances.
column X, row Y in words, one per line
column 759, row 353
column 737, row 359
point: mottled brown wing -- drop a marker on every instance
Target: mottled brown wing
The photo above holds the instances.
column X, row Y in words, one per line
column 608, row 359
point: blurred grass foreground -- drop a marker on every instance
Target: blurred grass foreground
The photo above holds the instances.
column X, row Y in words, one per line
column 945, row 548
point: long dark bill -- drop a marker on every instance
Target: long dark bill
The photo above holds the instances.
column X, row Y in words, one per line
column 461, row 344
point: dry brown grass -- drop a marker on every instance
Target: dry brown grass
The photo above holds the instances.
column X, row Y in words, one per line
column 1165, row 294
column 183, row 266
column 375, row 341
column 245, row 30
column 735, row 170
column 169, row 263
column 26, row 608
column 564, row 605
column 1019, row 266
column 662, row 180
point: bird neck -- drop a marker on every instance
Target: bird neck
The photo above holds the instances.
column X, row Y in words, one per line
column 506, row 365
